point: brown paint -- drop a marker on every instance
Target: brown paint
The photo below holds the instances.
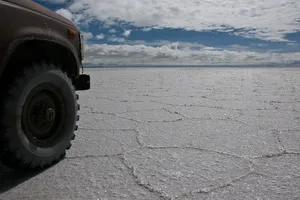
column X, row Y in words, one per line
column 24, row 20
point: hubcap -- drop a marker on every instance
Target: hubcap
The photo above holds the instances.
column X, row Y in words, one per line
column 50, row 114
column 43, row 115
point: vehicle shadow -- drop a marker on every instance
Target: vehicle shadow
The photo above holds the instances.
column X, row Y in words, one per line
column 12, row 178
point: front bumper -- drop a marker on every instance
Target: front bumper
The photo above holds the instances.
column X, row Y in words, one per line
column 82, row 82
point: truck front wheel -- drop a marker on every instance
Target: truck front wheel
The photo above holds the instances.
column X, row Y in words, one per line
column 38, row 117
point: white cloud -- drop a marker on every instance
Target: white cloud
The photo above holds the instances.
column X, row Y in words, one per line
column 112, row 31
column 293, row 44
column 263, row 19
column 146, row 29
column 116, row 39
column 65, row 13
column 178, row 45
column 87, row 35
column 237, row 47
column 100, row 36
column 127, row 33
column 97, row 54
column 261, row 45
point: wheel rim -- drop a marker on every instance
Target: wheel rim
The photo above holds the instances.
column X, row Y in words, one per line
column 43, row 115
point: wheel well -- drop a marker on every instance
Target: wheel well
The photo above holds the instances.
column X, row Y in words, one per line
column 38, row 50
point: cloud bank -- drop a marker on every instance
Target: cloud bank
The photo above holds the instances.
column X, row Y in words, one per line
column 268, row 20
column 103, row 54
column 263, row 19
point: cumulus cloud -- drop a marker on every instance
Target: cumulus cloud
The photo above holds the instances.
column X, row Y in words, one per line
column 100, row 36
column 112, row 31
column 238, row 47
column 127, row 33
column 99, row 54
column 87, row 35
column 146, row 29
column 65, row 13
column 292, row 44
column 263, row 19
column 178, row 45
column 116, row 39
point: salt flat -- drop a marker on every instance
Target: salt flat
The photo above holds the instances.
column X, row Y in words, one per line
column 178, row 133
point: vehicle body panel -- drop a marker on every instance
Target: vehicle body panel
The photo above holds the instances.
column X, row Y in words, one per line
column 31, row 5
column 25, row 20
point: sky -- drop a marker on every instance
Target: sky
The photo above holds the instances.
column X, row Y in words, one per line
column 190, row 32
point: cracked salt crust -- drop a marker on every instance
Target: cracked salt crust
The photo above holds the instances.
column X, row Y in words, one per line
column 219, row 134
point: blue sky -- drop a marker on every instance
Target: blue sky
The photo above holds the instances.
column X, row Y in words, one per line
column 191, row 32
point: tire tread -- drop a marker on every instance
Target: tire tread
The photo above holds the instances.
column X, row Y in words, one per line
column 10, row 154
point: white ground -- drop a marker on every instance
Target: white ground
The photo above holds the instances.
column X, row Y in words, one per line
column 178, row 133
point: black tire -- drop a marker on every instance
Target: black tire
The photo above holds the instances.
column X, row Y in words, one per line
column 38, row 117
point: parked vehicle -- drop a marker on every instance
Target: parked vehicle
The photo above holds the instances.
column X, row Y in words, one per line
column 41, row 55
